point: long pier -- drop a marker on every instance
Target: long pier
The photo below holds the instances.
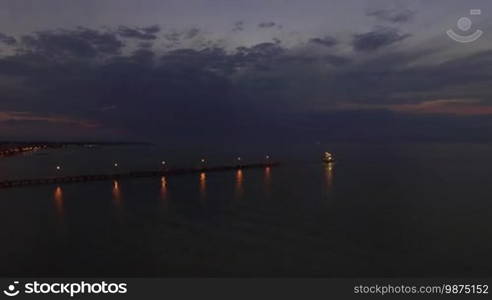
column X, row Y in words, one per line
column 100, row 177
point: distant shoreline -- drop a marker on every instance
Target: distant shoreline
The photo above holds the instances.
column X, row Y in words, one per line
column 79, row 143
column 12, row 148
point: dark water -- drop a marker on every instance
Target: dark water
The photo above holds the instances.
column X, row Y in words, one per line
column 381, row 210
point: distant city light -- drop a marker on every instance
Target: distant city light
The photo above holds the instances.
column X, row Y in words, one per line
column 203, row 160
column 163, row 163
column 58, row 168
column 239, row 158
column 267, row 157
column 116, row 164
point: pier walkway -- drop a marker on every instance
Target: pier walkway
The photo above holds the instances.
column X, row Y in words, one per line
column 138, row 174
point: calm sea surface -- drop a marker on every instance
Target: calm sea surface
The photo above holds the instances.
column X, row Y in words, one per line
column 380, row 210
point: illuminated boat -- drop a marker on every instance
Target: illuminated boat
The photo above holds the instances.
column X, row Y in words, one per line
column 328, row 158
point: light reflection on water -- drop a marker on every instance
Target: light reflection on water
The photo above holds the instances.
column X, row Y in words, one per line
column 268, row 172
column 203, row 185
column 163, row 194
column 329, row 175
column 239, row 183
column 58, row 201
column 116, row 194
column 163, row 188
column 265, row 180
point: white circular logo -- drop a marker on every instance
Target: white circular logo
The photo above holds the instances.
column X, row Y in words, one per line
column 11, row 291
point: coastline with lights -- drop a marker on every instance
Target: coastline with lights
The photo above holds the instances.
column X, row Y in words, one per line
column 17, row 148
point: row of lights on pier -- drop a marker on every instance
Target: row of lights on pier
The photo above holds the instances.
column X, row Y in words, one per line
column 203, row 160
column 164, row 163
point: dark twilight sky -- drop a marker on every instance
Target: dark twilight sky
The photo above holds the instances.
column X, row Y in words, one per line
column 188, row 71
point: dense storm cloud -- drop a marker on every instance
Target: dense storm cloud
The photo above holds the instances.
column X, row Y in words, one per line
column 146, row 33
column 6, row 39
column 324, row 41
column 379, row 38
column 77, row 43
column 393, row 15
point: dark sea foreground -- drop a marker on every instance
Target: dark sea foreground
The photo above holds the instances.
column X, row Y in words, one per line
column 380, row 210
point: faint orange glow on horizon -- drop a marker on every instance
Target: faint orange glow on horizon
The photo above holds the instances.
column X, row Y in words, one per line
column 456, row 107
column 6, row 116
